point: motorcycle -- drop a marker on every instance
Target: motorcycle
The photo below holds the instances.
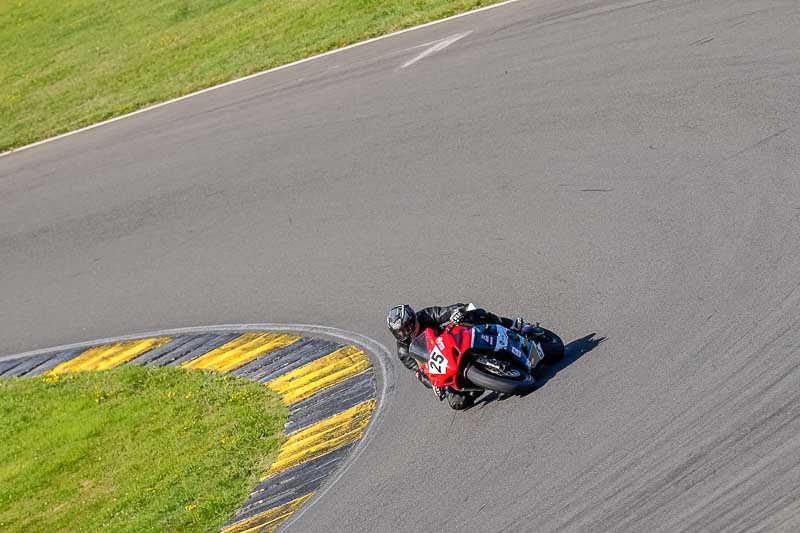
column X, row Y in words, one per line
column 466, row 360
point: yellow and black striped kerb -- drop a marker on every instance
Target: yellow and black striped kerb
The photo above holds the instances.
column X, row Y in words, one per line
column 329, row 387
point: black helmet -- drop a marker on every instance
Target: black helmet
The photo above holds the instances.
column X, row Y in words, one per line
column 402, row 322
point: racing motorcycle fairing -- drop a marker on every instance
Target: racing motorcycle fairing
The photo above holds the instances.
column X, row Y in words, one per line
column 442, row 357
column 445, row 354
column 489, row 338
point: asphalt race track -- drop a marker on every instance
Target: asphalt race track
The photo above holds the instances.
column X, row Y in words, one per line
column 627, row 170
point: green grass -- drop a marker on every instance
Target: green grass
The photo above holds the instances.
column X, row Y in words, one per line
column 136, row 449
column 71, row 63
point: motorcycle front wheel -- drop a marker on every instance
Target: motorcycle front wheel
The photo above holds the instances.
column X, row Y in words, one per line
column 486, row 380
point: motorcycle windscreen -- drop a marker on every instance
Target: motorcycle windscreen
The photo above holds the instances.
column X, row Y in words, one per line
column 419, row 349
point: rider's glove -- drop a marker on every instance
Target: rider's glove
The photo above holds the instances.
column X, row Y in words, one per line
column 423, row 378
column 457, row 316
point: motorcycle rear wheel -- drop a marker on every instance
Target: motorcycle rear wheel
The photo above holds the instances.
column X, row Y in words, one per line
column 484, row 379
column 552, row 346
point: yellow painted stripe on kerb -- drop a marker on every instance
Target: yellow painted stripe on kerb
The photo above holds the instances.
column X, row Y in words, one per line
column 325, row 372
column 241, row 350
column 109, row 355
column 323, row 437
column 268, row 520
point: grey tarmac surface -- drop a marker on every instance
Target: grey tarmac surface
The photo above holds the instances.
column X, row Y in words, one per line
column 628, row 169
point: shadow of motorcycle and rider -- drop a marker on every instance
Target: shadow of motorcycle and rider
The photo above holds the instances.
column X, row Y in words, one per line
column 545, row 372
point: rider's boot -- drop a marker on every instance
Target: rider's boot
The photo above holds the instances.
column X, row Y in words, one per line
column 531, row 330
column 526, row 328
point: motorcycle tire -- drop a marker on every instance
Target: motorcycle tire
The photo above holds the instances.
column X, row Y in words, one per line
column 485, row 379
column 552, row 346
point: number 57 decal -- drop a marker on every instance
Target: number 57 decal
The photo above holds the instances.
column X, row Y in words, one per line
column 437, row 364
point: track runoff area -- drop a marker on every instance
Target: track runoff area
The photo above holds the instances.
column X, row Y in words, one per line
column 328, row 383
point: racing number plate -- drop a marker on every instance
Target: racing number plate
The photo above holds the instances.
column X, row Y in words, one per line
column 437, row 364
column 539, row 352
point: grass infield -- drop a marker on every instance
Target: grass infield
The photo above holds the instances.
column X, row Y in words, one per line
column 136, row 449
column 68, row 64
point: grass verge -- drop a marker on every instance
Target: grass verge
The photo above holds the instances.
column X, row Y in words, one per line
column 136, row 449
column 64, row 65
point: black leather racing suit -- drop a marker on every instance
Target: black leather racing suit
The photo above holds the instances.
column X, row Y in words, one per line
column 434, row 317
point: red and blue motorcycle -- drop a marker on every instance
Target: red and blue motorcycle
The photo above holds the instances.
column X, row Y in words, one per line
column 466, row 360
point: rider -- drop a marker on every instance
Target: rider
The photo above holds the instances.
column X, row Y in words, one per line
column 406, row 324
